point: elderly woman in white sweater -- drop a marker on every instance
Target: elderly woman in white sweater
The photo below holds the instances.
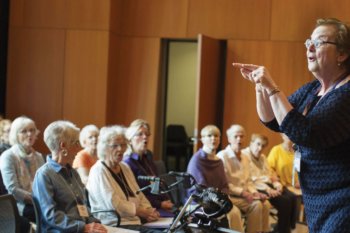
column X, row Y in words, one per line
column 112, row 186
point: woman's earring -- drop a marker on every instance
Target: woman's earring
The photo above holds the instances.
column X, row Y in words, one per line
column 64, row 152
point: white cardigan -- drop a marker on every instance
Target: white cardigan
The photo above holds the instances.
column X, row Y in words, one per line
column 106, row 194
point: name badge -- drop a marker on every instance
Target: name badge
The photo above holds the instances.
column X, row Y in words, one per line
column 297, row 158
column 83, row 212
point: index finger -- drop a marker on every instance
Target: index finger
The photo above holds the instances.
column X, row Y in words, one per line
column 245, row 66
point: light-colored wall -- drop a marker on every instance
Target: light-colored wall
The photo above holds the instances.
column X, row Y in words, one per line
column 181, row 92
column 98, row 61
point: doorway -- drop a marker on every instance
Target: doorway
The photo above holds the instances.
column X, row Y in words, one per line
column 180, row 97
column 193, row 75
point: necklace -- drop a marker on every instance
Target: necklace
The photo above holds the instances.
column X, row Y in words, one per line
column 120, row 179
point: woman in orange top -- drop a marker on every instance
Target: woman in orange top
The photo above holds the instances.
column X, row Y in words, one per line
column 87, row 157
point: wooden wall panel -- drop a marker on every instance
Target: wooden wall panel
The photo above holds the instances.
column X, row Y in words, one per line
column 115, row 16
column 88, row 14
column 134, row 82
column 294, row 20
column 43, row 13
column 16, row 13
column 35, row 74
column 340, row 10
column 160, row 18
column 287, row 64
column 230, row 18
column 85, row 77
column 82, row 14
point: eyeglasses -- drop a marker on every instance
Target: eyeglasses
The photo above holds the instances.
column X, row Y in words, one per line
column 115, row 146
column 25, row 131
column 140, row 134
column 317, row 43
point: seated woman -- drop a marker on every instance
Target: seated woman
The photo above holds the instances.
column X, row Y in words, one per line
column 139, row 159
column 5, row 126
column 112, row 186
column 244, row 195
column 58, row 186
column 19, row 164
column 266, row 182
column 87, row 157
column 208, row 170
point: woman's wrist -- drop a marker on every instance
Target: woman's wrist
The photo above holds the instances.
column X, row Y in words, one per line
column 273, row 91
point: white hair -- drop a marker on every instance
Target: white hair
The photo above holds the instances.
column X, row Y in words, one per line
column 107, row 134
column 234, row 128
column 17, row 125
column 85, row 133
column 60, row 131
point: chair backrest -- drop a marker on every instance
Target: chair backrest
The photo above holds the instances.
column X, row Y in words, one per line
column 38, row 217
column 176, row 133
column 9, row 216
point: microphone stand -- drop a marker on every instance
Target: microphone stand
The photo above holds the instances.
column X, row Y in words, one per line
column 173, row 228
column 144, row 188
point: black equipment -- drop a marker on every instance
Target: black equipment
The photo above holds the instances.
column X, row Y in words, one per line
column 212, row 204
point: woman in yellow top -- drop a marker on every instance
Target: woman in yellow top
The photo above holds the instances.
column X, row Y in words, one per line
column 281, row 159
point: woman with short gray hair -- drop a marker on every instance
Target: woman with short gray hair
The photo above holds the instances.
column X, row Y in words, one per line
column 63, row 203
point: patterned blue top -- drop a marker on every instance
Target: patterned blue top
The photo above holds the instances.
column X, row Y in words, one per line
column 323, row 139
column 58, row 190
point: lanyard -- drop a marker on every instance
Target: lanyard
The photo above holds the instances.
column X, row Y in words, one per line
column 315, row 98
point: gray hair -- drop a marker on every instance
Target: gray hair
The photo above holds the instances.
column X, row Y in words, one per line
column 60, row 131
column 84, row 133
column 107, row 134
column 234, row 128
column 17, row 125
column 135, row 126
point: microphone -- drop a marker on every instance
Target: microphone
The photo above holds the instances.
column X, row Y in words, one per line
column 181, row 174
column 148, row 178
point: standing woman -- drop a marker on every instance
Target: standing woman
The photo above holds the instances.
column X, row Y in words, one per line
column 316, row 118
column 19, row 164
column 87, row 157
column 140, row 160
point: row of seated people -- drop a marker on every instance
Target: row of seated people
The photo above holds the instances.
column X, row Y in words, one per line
column 245, row 175
column 59, row 189
column 111, row 183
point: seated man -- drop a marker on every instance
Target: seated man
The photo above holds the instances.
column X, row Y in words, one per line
column 58, row 186
column 208, row 170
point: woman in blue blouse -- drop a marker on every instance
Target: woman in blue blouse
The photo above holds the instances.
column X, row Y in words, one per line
column 316, row 118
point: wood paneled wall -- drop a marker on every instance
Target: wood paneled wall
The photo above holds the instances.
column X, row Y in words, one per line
column 98, row 61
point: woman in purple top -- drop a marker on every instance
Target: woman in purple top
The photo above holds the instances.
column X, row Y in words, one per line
column 139, row 158
column 208, row 170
